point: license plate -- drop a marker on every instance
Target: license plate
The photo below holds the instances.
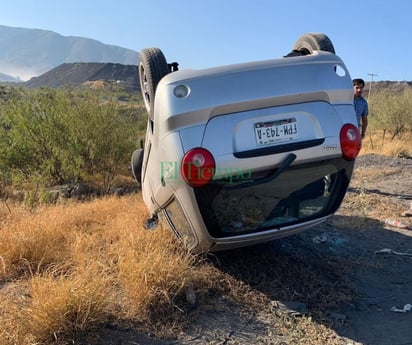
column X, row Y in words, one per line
column 273, row 131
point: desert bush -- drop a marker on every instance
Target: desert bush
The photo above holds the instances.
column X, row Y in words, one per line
column 391, row 113
column 51, row 137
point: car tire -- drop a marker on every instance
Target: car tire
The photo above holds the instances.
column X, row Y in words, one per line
column 137, row 163
column 308, row 43
column 152, row 68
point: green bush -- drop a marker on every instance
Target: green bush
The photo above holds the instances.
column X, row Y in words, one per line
column 50, row 137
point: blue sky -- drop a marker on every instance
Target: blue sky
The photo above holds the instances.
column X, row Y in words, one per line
column 372, row 37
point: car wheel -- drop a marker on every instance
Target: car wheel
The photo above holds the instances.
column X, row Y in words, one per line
column 152, row 68
column 308, row 43
column 137, row 163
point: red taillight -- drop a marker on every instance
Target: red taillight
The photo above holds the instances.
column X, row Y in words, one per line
column 198, row 167
column 350, row 141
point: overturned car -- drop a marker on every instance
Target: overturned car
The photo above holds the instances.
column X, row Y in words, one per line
column 241, row 154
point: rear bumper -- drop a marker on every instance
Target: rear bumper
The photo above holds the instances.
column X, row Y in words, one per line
column 221, row 244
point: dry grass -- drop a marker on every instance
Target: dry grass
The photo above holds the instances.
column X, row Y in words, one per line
column 67, row 269
column 380, row 142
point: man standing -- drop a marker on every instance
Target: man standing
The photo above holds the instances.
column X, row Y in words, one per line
column 361, row 105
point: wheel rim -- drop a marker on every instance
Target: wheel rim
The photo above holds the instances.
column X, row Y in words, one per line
column 145, row 87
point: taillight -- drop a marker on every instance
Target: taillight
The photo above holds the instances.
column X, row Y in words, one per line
column 350, row 141
column 198, row 167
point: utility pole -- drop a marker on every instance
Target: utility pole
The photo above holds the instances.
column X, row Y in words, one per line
column 370, row 86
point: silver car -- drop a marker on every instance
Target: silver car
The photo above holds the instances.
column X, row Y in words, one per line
column 241, row 154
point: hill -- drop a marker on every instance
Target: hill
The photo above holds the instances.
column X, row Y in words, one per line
column 77, row 74
column 388, row 86
column 26, row 53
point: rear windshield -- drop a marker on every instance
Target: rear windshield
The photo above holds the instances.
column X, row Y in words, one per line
column 238, row 206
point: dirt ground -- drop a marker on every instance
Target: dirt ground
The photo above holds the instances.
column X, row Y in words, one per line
column 329, row 285
column 382, row 280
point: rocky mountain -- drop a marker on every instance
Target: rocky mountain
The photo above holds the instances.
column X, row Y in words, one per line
column 26, row 53
column 78, row 74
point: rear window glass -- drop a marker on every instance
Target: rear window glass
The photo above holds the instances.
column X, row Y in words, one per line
column 231, row 208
